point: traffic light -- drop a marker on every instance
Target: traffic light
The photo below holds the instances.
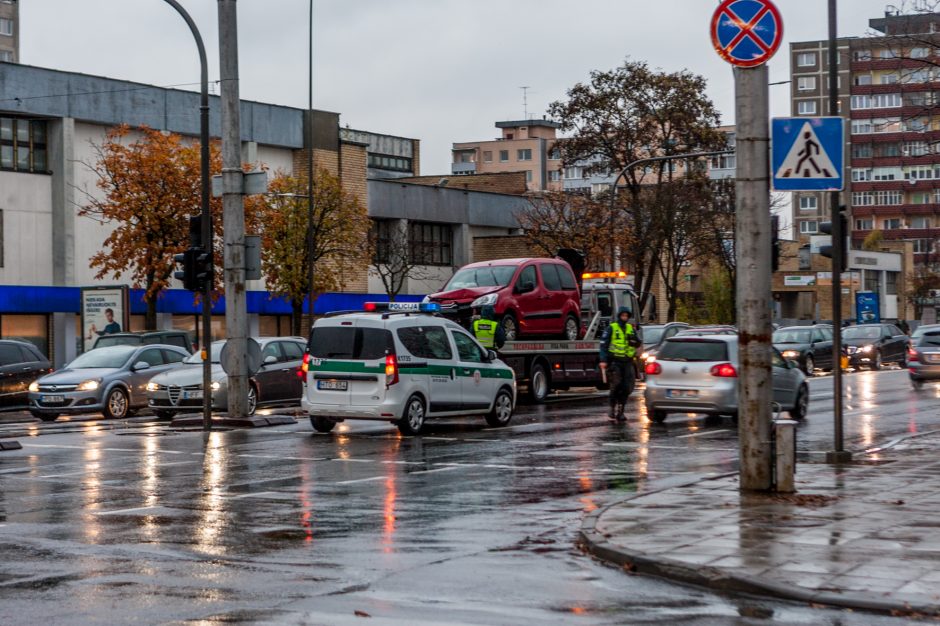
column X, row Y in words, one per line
column 203, row 269
column 188, row 274
column 774, row 243
column 826, row 228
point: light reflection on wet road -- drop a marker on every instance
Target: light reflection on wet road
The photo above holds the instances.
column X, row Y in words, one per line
column 102, row 524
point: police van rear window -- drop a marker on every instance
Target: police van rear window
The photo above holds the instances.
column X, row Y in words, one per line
column 697, row 350
column 347, row 342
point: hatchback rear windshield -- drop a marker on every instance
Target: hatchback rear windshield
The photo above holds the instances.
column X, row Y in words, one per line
column 349, row 342
column 678, row 350
column 929, row 339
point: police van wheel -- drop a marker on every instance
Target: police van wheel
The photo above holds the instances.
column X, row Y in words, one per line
column 412, row 421
column 502, row 410
column 322, row 424
column 539, row 384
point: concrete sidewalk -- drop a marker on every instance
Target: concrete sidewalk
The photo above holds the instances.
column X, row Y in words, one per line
column 864, row 536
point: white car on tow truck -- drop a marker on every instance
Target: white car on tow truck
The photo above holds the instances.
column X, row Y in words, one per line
column 401, row 363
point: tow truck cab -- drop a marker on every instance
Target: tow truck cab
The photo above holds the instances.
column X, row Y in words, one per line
column 600, row 295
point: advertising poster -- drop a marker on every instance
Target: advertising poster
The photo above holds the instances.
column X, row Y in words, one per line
column 104, row 312
column 867, row 308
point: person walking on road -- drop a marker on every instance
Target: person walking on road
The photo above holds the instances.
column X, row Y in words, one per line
column 618, row 349
column 487, row 330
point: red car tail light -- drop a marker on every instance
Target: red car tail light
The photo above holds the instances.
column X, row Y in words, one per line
column 653, row 368
column 724, row 370
column 912, row 355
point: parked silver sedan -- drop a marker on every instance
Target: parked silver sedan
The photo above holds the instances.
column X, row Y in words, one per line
column 700, row 375
column 111, row 380
column 279, row 381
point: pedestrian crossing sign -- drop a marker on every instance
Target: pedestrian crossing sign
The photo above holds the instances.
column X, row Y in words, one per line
column 807, row 153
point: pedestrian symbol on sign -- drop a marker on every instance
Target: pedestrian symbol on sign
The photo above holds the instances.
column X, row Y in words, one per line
column 807, row 154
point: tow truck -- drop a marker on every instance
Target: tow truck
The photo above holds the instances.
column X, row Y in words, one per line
column 545, row 366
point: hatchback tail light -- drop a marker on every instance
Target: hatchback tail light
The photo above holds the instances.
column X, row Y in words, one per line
column 653, row 368
column 724, row 370
column 391, row 370
column 912, row 355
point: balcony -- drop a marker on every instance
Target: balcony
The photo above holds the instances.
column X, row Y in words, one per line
column 463, row 168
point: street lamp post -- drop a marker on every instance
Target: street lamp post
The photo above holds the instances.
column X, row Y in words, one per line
column 310, row 262
column 203, row 236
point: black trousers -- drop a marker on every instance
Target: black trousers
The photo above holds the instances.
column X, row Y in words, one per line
column 622, row 378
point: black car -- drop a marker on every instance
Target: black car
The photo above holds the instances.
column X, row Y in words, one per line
column 809, row 346
column 20, row 364
column 872, row 345
column 176, row 338
column 655, row 334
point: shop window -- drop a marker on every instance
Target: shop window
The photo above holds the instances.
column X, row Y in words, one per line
column 31, row 328
column 274, row 325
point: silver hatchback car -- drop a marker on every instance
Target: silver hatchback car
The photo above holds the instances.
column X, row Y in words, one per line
column 700, row 375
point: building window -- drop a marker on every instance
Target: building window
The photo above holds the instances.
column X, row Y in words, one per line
column 886, row 173
column 528, row 176
column 916, row 124
column 574, row 173
column 889, row 79
column 890, row 149
column 863, row 79
column 892, row 224
column 382, row 231
column 915, row 148
column 6, row 56
column 504, row 156
column 23, row 145
column 431, row 243
column 808, row 203
column 887, row 53
column 554, row 154
column 806, row 59
column 809, row 228
column 806, row 83
column 864, row 224
column 860, row 175
column 877, row 101
column 554, row 175
column 396, row 163
column 1, row 238
column 861, row 127
column 920, row 222
column 861, row 55
column 861, row 151
column 920, row 53
column 6, row 27
column 487, row 156
column 806, row 107
column 921, row 246
column 524, row 154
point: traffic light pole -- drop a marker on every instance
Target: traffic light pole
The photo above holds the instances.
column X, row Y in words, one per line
column 205, row 223
column 838, row 454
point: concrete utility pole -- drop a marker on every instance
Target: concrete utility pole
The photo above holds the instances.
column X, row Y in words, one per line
column 752, row 251
column 233, row 217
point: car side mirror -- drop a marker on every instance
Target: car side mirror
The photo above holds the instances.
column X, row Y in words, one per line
column 270, row 359
column 141, row 365
column 491, row 355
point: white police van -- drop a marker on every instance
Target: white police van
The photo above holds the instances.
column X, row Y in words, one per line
column 398, row 362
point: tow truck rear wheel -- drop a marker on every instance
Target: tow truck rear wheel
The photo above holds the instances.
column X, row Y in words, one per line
column 412, row 421
column 539, row 385
column 322, row 424
column 502, row 409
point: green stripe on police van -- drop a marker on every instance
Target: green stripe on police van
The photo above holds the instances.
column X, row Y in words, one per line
column 346, row 366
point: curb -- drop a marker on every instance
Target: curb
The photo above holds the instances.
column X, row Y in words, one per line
column 596, row 544
column 257, row 421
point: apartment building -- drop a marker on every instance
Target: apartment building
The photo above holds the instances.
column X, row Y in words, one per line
column 9, row 31
column 524, row 146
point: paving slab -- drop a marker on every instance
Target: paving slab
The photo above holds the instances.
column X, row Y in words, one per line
column 865, row 535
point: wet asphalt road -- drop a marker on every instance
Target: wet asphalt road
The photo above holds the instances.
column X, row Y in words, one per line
column 131, row 522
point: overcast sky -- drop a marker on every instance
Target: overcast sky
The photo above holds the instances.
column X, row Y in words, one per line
column 441, row 71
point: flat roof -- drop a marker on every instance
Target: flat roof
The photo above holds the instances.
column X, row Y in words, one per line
column 518, row 123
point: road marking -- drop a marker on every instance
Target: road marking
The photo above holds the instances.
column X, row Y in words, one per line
column 431, row 471
column 481, row 439
column 46, row 445
column 288, row 458
column 259, row 494
column 440, row 438
column 353, row 460
column 405, row 462
column 360, row 480
column 704, row 433
column 119, row 511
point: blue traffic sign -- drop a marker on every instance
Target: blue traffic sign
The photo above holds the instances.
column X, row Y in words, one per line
column 746, row 33
column 807, row 153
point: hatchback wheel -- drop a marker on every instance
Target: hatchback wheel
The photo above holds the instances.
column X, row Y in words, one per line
column 809, row 365
column 801, row 407
column 115, row 404
column 252, row 400
column 413, row 420
column 502, row 409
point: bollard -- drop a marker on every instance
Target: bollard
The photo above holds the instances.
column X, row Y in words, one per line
column 785, row 455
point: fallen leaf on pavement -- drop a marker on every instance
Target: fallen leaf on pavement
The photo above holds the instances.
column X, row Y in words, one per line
column 361, row 614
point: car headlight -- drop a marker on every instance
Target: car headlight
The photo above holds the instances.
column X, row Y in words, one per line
column 152, row 386
column 791, row 354
column 644, row 356
column 87, row 385
column 34, row 387
column 866, row 349
column 487, row 300
column 215, row 385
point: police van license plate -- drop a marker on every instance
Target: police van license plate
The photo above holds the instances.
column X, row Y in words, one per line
column 332, row 385
column 682, row 393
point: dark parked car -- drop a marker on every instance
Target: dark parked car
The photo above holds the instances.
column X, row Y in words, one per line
column 112, row 380
column 872, row 345
column 177, row 338
column 809, row 346
column 20, row 364
column 923, row 358
column 654, row 335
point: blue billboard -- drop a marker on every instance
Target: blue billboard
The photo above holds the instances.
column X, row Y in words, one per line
column 867, row 308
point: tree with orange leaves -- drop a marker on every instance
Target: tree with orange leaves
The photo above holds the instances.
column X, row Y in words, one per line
column 150, row 184
column 339, row 235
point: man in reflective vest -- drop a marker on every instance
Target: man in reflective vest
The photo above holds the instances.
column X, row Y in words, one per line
column 618, row 348
column 487, row 330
